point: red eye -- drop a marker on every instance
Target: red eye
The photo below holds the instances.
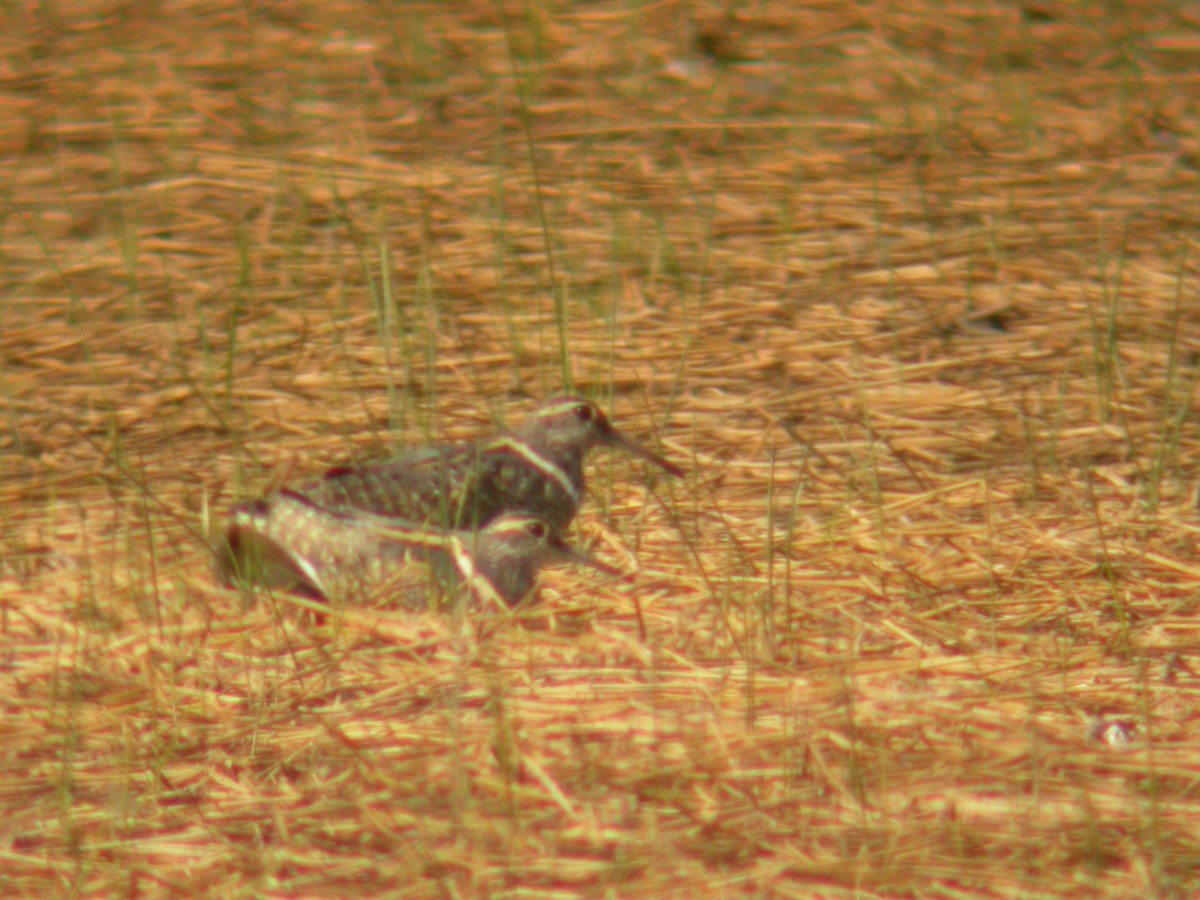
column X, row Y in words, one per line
column 536, row 529
column 583, row 412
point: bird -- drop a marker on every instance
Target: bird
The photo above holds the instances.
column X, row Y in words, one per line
column 536, row 469
column 288, row 543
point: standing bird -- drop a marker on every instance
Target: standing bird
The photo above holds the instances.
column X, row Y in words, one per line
column 288, row 543
column 537, row 469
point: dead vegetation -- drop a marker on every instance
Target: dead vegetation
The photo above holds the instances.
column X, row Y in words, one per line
column 911, row 293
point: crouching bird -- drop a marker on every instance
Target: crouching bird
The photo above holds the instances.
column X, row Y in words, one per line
column 289, row 543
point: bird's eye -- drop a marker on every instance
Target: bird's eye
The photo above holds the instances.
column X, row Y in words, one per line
column 536, row 529
column 583, row 412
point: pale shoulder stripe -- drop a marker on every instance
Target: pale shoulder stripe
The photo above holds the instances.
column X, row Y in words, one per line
column 521, row 449
column 558, row 406
column 474, row 580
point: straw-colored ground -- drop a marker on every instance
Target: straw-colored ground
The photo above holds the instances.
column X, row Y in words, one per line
column 911, row 295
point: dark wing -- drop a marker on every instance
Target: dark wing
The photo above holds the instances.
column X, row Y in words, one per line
column 418, row 486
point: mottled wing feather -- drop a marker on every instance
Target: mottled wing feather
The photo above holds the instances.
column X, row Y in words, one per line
column 463, row 486
column 252, row 557
column 288, row 543
column 419, row 486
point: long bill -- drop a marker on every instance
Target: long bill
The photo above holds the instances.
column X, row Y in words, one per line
column 619, row 441
column 561, row 551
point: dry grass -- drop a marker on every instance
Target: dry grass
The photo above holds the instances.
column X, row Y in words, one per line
column 911, row 293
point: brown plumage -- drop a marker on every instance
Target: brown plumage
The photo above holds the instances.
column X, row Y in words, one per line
column 537, row 469
column 288, row 543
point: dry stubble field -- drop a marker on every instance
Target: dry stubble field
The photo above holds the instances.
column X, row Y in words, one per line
column 911, row 293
